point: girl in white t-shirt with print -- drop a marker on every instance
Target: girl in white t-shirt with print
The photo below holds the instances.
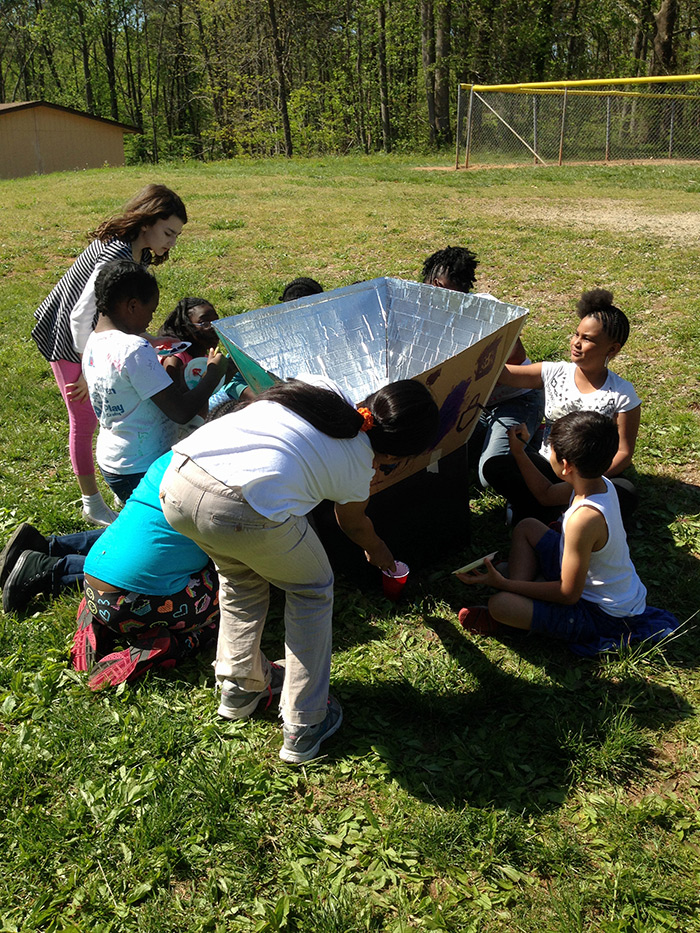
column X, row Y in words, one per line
column 583, row 384
column 137, row 404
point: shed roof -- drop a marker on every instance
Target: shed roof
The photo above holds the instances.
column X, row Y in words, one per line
column 26, row 104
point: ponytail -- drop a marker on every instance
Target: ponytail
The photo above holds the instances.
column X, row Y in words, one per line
column 406, row 419
column 324, row 409
column 404, row 415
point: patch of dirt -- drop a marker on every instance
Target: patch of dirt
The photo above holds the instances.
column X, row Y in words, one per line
column 676, row 766
column 603, row 214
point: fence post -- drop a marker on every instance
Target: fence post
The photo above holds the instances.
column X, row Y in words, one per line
column 563, row 122
column 607, row 129
column 534, row 126
column 458, row 132
column 670, row 130
column 469, row 126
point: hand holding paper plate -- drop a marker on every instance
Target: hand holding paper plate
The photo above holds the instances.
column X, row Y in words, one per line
column 475, row 564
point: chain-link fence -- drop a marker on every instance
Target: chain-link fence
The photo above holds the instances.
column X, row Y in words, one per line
column 552, row 125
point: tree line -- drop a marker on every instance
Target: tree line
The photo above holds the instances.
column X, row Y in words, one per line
column 215, row 78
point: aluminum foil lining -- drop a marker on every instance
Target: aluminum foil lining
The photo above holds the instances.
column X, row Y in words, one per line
column 362, row 336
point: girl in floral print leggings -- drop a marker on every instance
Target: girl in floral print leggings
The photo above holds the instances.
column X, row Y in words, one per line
column 151, row 595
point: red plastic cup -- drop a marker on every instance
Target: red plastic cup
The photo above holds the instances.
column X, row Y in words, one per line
column 394, row 582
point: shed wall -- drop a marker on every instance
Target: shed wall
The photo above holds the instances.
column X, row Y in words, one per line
column 40, row 140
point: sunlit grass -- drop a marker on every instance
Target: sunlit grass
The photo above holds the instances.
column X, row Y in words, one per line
column 476, row 784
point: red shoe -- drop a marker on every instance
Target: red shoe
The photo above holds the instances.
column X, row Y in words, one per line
column 479, row 620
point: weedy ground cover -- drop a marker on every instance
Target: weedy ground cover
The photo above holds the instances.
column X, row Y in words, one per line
column 477, row 784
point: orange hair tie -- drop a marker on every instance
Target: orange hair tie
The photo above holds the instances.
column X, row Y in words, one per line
column 368, row 419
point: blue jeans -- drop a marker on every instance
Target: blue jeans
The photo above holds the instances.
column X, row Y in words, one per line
column 492, row 436
column 72, row 550
column 122, row 484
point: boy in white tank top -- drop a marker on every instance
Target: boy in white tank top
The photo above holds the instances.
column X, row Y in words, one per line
column 578, row 585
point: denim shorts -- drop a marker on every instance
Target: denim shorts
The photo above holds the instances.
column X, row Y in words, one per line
column 582, row 622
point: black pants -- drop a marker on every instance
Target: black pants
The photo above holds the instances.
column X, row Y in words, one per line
column 504, row 476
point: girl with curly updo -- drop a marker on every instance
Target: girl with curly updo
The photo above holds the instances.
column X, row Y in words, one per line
column 583, row 384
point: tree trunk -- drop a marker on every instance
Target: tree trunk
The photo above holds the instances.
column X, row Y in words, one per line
column 133, row 83
column 428, row 51
column 213, row 81
column 279, row 65
column 359, row 68
column 108, row 44
column 85, row 51
column 383, row 81
column 663, row 58
column 574, row 42
column 442, row 74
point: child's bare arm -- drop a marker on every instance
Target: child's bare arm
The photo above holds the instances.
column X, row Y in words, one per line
column 181, row 406
column 550, row 591
column 358, row 526
column 586, row 531
column 546, row 492
column 628, row 429
column 528, row 376
column 174, row 368
column 517, row 354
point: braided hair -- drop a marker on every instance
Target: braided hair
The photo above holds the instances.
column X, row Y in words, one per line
column 457, row 263
column 179, row 323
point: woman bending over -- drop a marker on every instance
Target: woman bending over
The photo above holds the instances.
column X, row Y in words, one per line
column 241, row 488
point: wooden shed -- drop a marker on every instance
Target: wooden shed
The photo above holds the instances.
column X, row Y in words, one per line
column 37, row 137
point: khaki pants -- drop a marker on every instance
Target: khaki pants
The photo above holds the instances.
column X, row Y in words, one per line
column 250, row 553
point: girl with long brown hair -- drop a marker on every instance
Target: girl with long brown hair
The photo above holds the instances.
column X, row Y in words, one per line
column 145, row 231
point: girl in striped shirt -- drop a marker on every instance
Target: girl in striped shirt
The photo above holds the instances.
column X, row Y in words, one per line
column 145, row 232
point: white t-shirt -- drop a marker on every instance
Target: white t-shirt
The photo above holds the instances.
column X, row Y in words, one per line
column 611, row 581
column 282, row 464
column 561, row 396
column 123, row 373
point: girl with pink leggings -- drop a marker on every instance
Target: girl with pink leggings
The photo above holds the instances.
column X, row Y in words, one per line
column 144, row 232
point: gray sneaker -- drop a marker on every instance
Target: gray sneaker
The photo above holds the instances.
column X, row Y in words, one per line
column 239, row 705
column 301, row 743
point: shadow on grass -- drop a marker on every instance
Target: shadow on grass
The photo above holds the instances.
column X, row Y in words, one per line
column 509, row 743
column 664, row 544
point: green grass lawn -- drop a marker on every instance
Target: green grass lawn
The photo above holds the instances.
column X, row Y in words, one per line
column 476, row 784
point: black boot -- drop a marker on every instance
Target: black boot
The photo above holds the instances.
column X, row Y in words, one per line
column 24, row 538
column 31, row 575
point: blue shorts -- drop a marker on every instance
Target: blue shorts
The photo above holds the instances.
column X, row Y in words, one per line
column 582, row 622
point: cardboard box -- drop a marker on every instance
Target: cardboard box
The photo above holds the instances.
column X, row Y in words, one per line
column 367, row 335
